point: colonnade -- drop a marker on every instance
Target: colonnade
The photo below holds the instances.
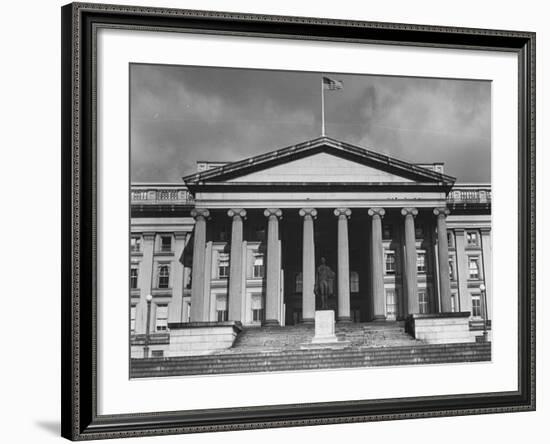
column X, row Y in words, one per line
column 308, row 215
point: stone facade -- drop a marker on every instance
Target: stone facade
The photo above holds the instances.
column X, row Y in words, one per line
column 241, row 242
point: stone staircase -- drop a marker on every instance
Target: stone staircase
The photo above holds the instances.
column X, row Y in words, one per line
column 277, row 361
column 272, row 338
column 375, row 334
column 371, row 334
column 275, row 349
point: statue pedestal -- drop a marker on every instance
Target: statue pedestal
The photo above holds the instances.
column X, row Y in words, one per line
column 324, row 332
column 324, row 327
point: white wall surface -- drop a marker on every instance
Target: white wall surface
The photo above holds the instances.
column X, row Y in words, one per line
column 321, row 167
column 30, row 222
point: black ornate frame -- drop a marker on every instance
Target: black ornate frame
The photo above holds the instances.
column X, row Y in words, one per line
column 80, row 420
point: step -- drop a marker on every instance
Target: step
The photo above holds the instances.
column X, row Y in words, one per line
column 416, row 348
column 225, row 367
column 309, row 359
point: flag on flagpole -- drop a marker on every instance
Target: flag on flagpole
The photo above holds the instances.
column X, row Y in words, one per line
column 332, row 84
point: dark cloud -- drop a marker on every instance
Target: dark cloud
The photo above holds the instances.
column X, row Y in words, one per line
column 183, row 114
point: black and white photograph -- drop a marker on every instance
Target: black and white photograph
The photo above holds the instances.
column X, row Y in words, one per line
column 297, row 221
column 275, row 222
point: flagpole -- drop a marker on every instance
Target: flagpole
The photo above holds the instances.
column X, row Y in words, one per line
column 322, row 108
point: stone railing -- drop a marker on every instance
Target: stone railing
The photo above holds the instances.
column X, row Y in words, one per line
column 166, row 194
column 155, row 338
column 470, row 194
column 160, row 194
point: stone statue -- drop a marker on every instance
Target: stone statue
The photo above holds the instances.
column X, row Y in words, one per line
column 324, row 283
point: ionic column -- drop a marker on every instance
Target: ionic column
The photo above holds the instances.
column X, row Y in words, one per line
column 343, row 215
column 273, row 267
column 443, row 260
column 198, row 312
column 377, row 263
column 308, row 266
column 236, row 265
column 410, row 260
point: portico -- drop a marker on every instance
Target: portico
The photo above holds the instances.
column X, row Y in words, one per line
column 380, row 224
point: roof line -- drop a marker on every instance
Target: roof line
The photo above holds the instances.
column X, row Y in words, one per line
column 370, row 184
column 360, row 151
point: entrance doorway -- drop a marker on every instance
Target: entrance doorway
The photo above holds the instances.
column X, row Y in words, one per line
column 326, row 246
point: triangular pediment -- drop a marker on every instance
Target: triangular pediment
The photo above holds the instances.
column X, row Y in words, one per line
column 323, row 160
column 321, row 167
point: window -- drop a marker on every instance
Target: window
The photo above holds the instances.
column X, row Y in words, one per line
column 162, row 318
column 387, row 231
column 421, row 262
column 164, row 276
column 450, row 239
column 133, row 278
column 223, row 266
column 258, row 271
column 135, row 244
column 423, row 304
column 166, row 244
column 259, row 232
column 472, row 238
column 258, row 314
column 419, row 231
column 452, row 272
column 187, row 312
column 354, row 282
column 221, row 309
column 473, row 267
column 157, row 353
column 132, row 319
column 476, row 305
column 391, row 306
column 453, row 302
column 298, row 287
column 390, row 262
column 222, row 235
column 257, row 308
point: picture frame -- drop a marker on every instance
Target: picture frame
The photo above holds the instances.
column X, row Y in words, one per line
column 80, row 175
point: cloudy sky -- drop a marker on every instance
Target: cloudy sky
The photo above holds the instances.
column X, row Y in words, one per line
column 180, row 115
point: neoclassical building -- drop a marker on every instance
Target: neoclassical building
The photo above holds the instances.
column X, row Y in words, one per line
column 242, row 241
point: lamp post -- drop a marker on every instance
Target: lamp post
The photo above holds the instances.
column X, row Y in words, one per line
column 149, row 298
column 484, row 294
